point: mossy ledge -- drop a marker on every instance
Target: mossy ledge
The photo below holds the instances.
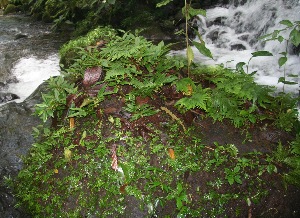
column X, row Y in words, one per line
column 128, row 137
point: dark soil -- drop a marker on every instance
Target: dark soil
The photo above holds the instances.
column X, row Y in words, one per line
column 278, row 200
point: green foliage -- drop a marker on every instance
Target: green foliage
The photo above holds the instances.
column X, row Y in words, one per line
column 293, row 28
column 54, row 101
column 293, row 161
column 70, row 50
column 91, row 168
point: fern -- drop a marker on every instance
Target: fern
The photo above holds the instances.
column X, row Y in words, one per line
column 198, row 100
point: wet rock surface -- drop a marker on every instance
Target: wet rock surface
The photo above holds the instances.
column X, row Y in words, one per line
column 16, row 122
column 5, row 97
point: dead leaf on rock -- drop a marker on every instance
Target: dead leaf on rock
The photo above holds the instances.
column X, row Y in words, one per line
column 171, row 153
column 91, row 76
column 72, row 122
column 114, row 163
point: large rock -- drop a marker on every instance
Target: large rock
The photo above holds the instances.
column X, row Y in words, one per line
column 16, row 122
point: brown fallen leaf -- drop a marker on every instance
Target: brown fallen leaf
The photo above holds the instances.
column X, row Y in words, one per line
column 114, row 163
column 171, row 153
column 91, row 76
column 72, row 122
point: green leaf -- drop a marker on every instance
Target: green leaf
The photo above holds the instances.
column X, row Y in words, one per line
column 162, row 3
column 286, row 23
column 282, row 80
column 230, row 180
column 280, row 39
column 194, row 12
column 261, row 53
column 238, row 179
column 202, row 49
column 295, row 37
column 239, row 67
column 265, row 36
column 190, row 55
column 282, row 61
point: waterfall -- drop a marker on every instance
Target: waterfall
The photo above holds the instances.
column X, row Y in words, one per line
column 231, row 33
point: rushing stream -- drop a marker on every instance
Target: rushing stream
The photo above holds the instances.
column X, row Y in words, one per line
column 28, row 55
column 231, row 32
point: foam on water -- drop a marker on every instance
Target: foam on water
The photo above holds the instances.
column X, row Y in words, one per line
column 31, row 72
column 242, row 25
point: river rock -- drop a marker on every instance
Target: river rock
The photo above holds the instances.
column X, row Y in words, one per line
column 16, row 122
column 5, row 97
column 20, row 36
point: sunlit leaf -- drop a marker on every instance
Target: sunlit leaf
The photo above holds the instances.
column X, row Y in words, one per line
column 162, row 3
column 68, row 154
column 194, row 12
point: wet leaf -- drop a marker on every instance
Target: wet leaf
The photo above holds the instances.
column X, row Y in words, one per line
column 171, row 153
column 91, row 76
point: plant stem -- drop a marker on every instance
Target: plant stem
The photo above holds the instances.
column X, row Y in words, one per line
column 186, row 34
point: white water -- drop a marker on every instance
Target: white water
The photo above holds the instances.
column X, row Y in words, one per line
column 242, row 25
column 31, row 72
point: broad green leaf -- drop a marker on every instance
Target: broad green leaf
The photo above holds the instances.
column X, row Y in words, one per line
column 162, row 3
column 194, row 12
column 286, row 23
column 282, row 61
column 295, row 37
column 202, row 49
column 190, row 55
column 261, row 53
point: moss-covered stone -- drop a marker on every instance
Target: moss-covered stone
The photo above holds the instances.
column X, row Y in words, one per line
column 10, row 8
